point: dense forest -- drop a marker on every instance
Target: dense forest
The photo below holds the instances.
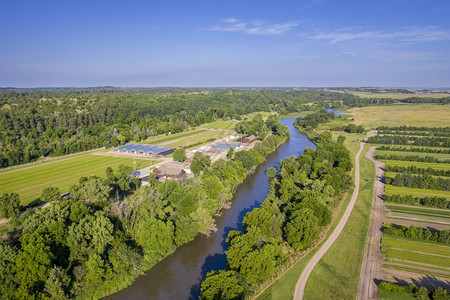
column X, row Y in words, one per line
column 289, row 220
column 40, row 123
column 111, row 230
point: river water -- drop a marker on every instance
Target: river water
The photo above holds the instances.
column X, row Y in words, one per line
column 179, row 275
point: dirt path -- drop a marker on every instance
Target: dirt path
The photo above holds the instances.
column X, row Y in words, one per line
column 373, row 259
column 428, row 281
column 301, row 283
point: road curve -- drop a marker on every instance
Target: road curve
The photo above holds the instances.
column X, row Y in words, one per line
column 373, row 259
column 301, row 283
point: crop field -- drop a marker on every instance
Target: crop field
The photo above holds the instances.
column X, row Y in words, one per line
column 401, row 114
column 390, row 190
column 405, row 244
column 28, row 181
column 405, row 255
column 424, row 165
column 439, row 156
column 171, row 137
column 202, row 137
column 420, row 210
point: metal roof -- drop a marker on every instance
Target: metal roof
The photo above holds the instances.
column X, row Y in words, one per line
column 143, row 148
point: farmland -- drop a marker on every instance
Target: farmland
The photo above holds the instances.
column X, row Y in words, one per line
column 28, row 181
column 390, row 190
column 420, row 154
column 418, row 164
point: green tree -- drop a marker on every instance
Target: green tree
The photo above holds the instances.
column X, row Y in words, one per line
column 271, row 172
column 302, row 229
column 7, row 271
column 50, row 194
column 199, row 163
column 422, row 293
column 57, row 285
column 230, row 153
column 260, row 263
column 221, row 285
column 9, row 205
column 156, row 237
column 179, row 154
column 212, row 186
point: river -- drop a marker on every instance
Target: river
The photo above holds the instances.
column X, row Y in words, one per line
column 179, row 275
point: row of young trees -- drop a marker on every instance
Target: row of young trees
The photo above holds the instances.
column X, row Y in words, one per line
column 425, row 181
column 410, row 140
column 417, row 158
column 350, row 128
column 394, row 129
column 439, row 202
column 414, row 149
column 417, row 170
column 111, row 230
column 412, row 290
column 54, row 122
column 289, row 220
column 417, row 233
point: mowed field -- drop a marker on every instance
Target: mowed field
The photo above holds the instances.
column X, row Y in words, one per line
column 430, row 115
column 439, row 156
column 423, row 165
column 28, row 181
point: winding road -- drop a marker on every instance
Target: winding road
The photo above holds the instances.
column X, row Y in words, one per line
column 301, row 283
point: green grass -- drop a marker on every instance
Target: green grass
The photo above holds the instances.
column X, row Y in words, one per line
column 28, row 181
column 390, row 190
column 385, row 295
column 171, row 137
column 337, row 274
column 221, row 124
column 413, row 268
column 399, row 243
column 199, row 138
column 428, row 115
column 424, row 165
column 419, row 211
column 412, row 147
column 416, row 257
column 439, row 156
column 392, row 175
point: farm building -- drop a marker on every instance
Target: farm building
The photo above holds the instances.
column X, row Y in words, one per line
column 226, row 146
column 249, row 139
column 173, row 170
column 143, row 149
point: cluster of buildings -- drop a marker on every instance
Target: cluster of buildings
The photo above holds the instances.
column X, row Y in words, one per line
column 144, row 149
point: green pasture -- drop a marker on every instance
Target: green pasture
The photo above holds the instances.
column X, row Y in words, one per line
column 203, row 137
column 424, row 165
column 392, row 175
column 405, row 244
column 170, row 137
column 28, row 181
column 390, row 190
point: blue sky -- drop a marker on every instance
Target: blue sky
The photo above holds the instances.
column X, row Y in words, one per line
column 208, row 43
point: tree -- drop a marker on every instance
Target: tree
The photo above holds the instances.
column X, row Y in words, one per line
column 57, row 285
column 179, row 154
column 7, row 273
column 199, row 163
column 156, row 238
column 9, row 205
column 271, row 172
column 221, row 285
column 302, row 229
column 230, row 153
column 50, row 194
column 260, row 263
column 422, row 293
column 212, row 186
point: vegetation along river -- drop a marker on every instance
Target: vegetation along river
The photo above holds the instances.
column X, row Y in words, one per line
column 179, row 275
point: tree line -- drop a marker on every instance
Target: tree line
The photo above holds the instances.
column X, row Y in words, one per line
column 417, row 158
column 350, row 128
column 111, row 230
column 439, row 202
column 414, row 149
column 417, row 233
column 393, row 129
column 417, row 170
column 425, row 181
column 313, row 120
column 410, row 140
column 422, row 293
column 290, row 219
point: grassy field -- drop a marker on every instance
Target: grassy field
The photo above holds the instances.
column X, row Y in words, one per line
column 419, row 210
column 221, row 124
column 202, row 137
column 424, row 165
column 355, row 231
column 419, row 154
column 390, row 190
column 171, row 137
column 399, row 243
column 28, row 181
column 402, row 114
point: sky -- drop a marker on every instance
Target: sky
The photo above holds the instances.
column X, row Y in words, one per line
column 225, row 43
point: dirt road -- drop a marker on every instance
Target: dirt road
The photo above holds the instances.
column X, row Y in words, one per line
column 301, row 283
column 373, row 259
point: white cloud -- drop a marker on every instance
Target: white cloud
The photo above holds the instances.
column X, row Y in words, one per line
column 411, row 34
column 254, row 27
